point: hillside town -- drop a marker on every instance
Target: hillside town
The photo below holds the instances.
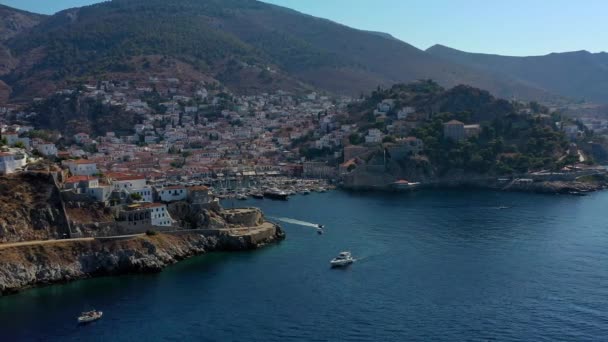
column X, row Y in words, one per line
column 200, row 143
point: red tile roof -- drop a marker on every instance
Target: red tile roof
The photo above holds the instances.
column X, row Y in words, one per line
column 119, row 176
column 198, row 188
column 83, row 161
column 76, row 179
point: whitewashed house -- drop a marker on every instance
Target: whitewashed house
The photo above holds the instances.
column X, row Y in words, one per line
column 82, row 167
column 47, row 149
column 172, row 194
column 132, row 184
column 10, row 162
column 374, row 135
column 405, row 112
column 160, row 215
column 81, row 138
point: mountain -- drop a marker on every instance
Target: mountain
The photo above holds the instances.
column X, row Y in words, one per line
column 250, row 46
column 12, row 23
column 579, row 74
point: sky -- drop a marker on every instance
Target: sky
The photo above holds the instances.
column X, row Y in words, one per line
column 514, row 27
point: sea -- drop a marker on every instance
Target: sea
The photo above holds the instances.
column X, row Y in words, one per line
column 453, row 265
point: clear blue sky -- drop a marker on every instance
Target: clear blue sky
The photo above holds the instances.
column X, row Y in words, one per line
column 514, row 27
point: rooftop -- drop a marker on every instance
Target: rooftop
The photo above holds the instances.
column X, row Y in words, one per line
column 75, row 179
column 82, row 162
column 454, row 122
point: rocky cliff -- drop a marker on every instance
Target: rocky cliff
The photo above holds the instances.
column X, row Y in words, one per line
column 22, row 267
column 31, row 208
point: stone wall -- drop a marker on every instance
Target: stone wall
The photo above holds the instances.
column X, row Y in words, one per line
column 244, row 217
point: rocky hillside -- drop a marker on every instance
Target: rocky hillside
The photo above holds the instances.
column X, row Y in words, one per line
column 249, row 46
column 31, row 208
column 12, row 23
column 508, row 138
column 580, row 74
column 27, row 266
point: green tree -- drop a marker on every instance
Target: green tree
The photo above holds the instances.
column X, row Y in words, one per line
column 355, row 139
column 136, row 197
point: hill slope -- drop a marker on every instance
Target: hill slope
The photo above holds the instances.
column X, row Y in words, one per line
column 579, row 74
column 12, row 23
column 235, row 41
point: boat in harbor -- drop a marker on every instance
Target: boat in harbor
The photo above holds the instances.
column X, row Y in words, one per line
column 276, row 194
column 342, row 260
column 89, row 316
column 257, row 195
column 241, row 197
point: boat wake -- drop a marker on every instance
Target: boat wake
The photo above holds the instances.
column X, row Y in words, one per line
column 296, row 222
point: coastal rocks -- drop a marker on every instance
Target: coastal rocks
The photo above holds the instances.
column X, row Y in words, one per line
column 22, row 267
column 193, row 216
column 208, row 219
column 556, row 187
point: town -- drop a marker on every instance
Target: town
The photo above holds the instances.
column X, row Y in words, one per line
column 199, row 143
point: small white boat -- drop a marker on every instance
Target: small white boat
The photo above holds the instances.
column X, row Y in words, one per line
column 89, row 316
column 342, row 260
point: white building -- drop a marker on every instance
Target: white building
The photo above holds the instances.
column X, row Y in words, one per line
column 47, row 149
column 132, row 184
column 405, row 112
column 160, row 215
column 82, row 167
column 81, row 138
column 10, row 162
column 12, row 138
column 88, row 185
column 374, row 135
column 173, row 193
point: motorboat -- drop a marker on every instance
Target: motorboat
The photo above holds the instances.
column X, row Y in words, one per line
column 241, row 197
column 89, row 316
column 257, row 195
column 320, row 226
column 342, row 260
column 276, row 194
column 320, row 231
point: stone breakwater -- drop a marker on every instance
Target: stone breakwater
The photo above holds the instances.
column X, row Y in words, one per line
column 22, row 267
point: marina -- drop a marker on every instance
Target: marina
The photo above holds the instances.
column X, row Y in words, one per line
column 242, row 188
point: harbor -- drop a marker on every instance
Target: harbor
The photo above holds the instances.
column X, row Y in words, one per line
column 245, row 187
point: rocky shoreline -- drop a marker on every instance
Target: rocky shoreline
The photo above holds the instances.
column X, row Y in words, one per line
column 543, row 187
column 23, row 267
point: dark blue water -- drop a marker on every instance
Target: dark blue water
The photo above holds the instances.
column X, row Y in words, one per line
column 432, row 266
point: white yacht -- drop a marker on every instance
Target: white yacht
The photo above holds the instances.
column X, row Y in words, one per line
column 89, row 316
column 342, row 260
